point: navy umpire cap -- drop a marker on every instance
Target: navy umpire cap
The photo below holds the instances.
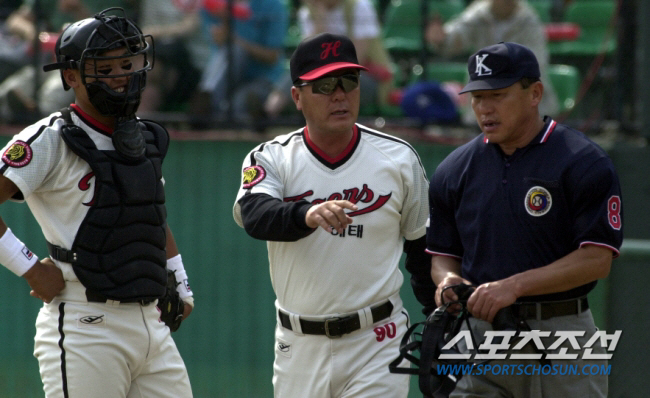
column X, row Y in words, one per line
column 321, row 54
column 500, row 66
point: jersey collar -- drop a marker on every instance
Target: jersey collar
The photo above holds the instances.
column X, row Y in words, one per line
column 327, row 160
column 547, row 130
column 542, row 136
column 90, row 121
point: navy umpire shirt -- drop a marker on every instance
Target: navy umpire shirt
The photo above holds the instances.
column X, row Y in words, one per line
column 501, row 215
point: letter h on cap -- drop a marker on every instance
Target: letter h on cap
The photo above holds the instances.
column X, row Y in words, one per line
column 330, row 47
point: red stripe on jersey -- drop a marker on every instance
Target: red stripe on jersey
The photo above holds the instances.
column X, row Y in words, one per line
column 325, row 156
column 548, row 132
column 90, row 120
column 442, row 254
column 615, row 252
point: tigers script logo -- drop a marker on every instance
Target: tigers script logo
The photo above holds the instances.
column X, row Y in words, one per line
column 84, row 185
column 354, row 195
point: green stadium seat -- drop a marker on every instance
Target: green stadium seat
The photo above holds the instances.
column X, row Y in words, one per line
column 543, row 8
column 444, row 72
column 403, row 22
column 594, row 18
column 385, row 110
column 566, row 82
column 292, row 38
column 390, row 111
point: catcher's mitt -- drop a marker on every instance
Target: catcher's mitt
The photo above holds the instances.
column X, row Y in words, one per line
column 171, row 306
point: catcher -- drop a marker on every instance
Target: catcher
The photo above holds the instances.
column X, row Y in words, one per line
column 91, row 175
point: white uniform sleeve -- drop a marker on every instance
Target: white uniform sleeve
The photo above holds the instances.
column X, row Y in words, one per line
column 415, row 211
column 31, row 156
column 259, row 175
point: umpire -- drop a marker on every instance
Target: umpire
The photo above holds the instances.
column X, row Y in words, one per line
column 530, row 213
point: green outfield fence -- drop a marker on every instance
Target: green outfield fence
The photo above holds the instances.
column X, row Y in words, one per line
column 227, row 343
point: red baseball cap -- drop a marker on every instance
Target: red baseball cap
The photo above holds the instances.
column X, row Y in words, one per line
column 321, row 54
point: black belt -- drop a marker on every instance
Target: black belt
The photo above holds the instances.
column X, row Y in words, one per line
column 338, row 326
column 94, row 297
column 543, row 311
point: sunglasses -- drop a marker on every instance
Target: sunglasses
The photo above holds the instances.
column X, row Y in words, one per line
column 327, row 85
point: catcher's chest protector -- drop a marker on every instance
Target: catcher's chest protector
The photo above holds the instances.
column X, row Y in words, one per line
column 120, row 245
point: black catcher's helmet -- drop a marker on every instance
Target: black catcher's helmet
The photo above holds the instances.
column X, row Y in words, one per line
column 84, row 42
column 437, row 337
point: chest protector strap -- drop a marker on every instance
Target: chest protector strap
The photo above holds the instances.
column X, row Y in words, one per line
column 119, row 249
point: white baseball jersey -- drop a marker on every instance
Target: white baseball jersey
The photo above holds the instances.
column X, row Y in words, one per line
column 327, row 273
column 57, row 185
column 74, row 337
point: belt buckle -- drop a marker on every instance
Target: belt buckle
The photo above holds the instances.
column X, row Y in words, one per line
column 327, row 330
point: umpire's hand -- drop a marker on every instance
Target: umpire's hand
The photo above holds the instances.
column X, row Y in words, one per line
column 330, row 215
column 449, row 295
column 489, row 298
column 45, row 279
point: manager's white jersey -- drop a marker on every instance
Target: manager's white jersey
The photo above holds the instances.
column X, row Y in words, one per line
column 328, row 273
column 57, row 185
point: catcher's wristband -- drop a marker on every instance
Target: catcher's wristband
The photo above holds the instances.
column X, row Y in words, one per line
column 183, row 288
column 15, row 255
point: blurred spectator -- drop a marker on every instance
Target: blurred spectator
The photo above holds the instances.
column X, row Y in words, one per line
column 486, row 22
column 7, row 7
column 47, row 17
column 258, row 29
column 14, row 48
column 358, row 20
column 182, row 51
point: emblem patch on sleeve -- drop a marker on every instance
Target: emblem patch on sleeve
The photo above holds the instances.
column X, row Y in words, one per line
column 538, row 201
column 19, row 154
column 253, row 175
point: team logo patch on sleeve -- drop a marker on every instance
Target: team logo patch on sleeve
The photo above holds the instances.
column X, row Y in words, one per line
column 253, row 175
column 538, row 201
column 19, row 154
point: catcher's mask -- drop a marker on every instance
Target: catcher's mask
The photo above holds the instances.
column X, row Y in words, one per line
column 83, row 45
column 439, row 329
